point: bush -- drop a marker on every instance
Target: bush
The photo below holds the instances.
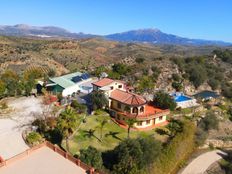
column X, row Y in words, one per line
column 201, row 136
column 133, row 155
column 139, row 60
column 213, row 83
column 34, row 138
column 209, row 122
column 92, row 157
column 176, row 77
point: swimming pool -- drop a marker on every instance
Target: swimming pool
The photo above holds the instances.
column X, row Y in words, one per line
column 179, row 97
column 182, row 98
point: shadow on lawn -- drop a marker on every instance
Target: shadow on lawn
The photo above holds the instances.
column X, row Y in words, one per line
column 113, row 134
column 90, row 133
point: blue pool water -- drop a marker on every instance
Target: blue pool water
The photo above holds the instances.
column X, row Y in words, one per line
column 181, row 98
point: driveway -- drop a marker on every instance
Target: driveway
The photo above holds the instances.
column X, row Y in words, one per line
column 200, row 164
column 24, row 109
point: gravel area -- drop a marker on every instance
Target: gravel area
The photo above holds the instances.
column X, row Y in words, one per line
column 24, row 109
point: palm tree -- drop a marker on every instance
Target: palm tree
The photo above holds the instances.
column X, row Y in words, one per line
column 130, row 124
column 101, row 126
column 66, row 123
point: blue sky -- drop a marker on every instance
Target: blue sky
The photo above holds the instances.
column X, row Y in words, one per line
column 205, row 19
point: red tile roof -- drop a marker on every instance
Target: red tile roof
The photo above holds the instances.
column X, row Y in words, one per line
column 150, row 112
column 127, row 98
column 103, row 82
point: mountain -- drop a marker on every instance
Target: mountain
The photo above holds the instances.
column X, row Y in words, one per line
column 152, row 36
column 35, row 31
column 156, row 36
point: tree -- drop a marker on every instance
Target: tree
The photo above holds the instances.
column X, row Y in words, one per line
column 177, row 86
column 11, row 81
column 92, row 157
column 80, row 108
column 174, row 127
column 139, row 60
column 133, row 155
column 101, row 126
column 120, row 68
column 130, row 124
column 176, row 77
column 128, row 156
column 145, row 84
column 213, row 83
column 2, row 89
column 209, row 122
column 67, row 123
column 164, row 101
column 99, row 100
column 197, row 75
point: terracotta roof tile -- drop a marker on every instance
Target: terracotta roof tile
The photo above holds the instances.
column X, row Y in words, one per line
column 103, row 82
column 127, row 97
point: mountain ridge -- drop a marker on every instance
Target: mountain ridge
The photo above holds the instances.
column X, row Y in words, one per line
column 149, row 35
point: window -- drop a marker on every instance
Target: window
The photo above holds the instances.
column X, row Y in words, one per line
column 119, row 86
column 119, row 105
column 142, row 109
column 111, row 87
column 140, row 123
column 148, row 121
column 160, row 118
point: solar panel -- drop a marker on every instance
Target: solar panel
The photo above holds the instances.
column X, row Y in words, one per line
column 76, row 79
column 85, row 76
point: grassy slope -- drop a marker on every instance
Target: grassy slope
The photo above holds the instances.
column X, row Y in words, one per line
column 81, row 140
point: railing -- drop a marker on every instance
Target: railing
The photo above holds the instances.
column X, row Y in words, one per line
column 56, row 149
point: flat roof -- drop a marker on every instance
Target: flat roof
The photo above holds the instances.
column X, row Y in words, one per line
column 42, row 161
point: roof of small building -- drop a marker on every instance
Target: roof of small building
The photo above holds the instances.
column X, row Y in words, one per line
column 127, row 98
column 103, row 82
column 67, row 80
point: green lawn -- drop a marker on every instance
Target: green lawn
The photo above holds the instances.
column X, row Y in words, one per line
column 112, row 134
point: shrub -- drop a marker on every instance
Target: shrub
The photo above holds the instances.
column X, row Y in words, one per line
column 201, row 136
column 34, row 138
column 139, row 60
column 134, row 155
column 209, row 122
column 92, row 157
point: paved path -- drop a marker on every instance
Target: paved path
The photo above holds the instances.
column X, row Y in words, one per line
column 11, row 141
column 202, row 162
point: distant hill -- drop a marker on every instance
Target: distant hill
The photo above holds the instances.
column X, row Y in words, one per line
column 156, row 36
column 43, row 32
column 151, row 36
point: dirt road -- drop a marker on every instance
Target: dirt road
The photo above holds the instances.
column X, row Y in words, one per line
column 200, row 164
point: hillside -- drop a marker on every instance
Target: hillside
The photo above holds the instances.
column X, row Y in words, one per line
column 63, row 55
column 155, row 64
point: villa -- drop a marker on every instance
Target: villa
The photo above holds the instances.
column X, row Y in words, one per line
column 124, row 105
column 70, row 83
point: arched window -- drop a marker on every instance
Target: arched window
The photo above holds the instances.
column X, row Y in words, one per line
column 135, row 110
column 142, row 109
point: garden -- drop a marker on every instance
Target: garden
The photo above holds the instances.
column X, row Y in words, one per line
column 101, row 132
